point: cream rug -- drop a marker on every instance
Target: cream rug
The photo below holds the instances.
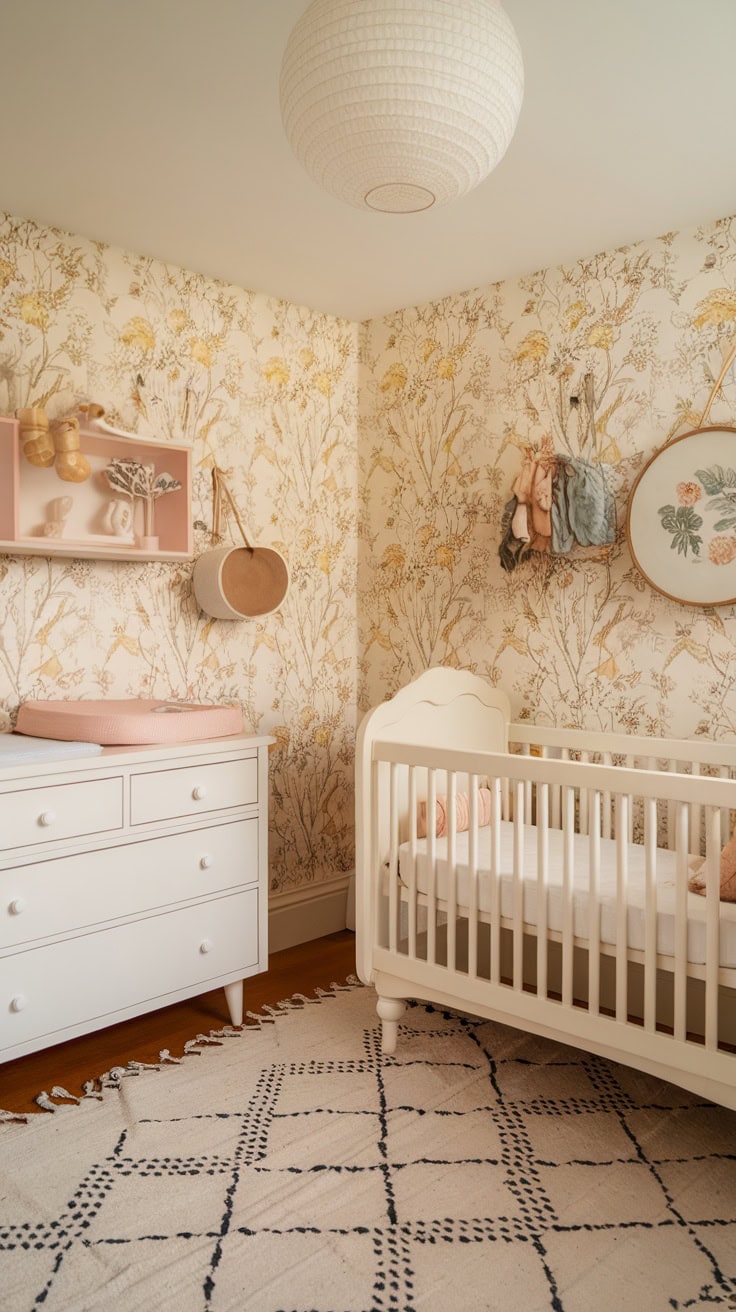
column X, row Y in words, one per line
column 289, row 1167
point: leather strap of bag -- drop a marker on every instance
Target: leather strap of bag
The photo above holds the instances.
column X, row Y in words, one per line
column 220, row 489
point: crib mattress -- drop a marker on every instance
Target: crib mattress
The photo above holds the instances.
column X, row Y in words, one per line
column 666, row 871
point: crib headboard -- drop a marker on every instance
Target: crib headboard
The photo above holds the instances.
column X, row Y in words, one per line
column 446, row 707
column 443, row 707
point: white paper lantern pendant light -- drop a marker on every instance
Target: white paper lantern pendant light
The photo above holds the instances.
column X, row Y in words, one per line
column 401, row 105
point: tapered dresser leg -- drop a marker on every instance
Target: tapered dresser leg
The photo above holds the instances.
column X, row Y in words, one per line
column 234, row 999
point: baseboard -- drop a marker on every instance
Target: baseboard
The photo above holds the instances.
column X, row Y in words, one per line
column 307, row 913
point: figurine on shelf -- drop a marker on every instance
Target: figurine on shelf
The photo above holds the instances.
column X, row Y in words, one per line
column 92, row 420
column 38, row 445
column 119, row 519
column 140, row 482
column 71, row 465
column 61, row 445
column 57, row 514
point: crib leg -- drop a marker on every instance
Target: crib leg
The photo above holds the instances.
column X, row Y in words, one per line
column 390, row 1011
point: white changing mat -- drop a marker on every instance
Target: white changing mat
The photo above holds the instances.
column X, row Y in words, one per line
column 666, row 868
column 17, row 749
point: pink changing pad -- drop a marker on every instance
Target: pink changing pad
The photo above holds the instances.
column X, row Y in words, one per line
column 127, row 723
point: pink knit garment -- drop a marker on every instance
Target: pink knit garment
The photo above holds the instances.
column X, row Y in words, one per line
column 696, row 883
column 462, row 813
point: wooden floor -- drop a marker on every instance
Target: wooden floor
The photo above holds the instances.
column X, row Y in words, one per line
column 297, row 970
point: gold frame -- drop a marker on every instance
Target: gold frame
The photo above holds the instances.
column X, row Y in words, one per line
column 666, row 449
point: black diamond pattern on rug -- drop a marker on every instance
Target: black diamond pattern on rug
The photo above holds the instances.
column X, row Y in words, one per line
column 479, row 1168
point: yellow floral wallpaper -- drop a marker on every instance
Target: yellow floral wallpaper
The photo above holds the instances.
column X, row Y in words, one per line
column 268, row 391
column 378, row 458
column 604, row 359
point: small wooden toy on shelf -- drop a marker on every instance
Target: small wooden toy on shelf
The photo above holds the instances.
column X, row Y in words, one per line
column 119, row 519
column 71, row 465
column 58, row 513
column 140, row 482
column 92, row 420
column 38, row 444
column 60, row 446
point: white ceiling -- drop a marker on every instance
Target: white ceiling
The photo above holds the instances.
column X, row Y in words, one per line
column 154, row 125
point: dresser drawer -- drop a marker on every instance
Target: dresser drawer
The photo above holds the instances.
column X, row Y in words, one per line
column 192, row 790
column 60, row 811
column 88, row 979
column 56, row 897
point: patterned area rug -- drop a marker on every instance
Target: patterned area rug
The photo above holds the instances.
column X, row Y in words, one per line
column 290, row 1167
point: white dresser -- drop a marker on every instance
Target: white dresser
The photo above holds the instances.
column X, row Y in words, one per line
column 128, row 881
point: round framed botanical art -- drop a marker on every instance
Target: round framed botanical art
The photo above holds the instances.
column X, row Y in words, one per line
column 681, row 523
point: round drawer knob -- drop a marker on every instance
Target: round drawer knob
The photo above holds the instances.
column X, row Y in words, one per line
column 206, row 861
column 205, row 946
column 199, row 792
column 18, row 1002
column 17, row 906
column 47, row 818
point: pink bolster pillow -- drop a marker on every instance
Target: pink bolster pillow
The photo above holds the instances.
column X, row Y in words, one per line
column 462, row 813
column 696, row 883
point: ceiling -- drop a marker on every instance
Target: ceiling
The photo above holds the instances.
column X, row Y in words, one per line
column 154, row 125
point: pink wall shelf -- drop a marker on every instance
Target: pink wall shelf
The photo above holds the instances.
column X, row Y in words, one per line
column 28, row 493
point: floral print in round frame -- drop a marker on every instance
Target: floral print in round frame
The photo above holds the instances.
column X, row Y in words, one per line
column 681, row 523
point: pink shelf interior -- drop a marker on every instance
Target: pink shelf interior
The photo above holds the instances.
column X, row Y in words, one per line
column 26, row 491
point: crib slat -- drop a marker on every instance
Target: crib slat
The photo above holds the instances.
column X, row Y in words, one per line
column 712, row 922
column 725, row 773
column 495, row 881
column 583, row 799
column 680, row 945
column 622, row 893
column 594, row 901
column 412, row 861
column 696, row 816
column 631, row 761
column 393, row 861
column 671, row 809
column 473, row 875
column 527, row 751
column 607, row 807
column 432, row 863
column 650, row 913
column 542, row 886
column 518, row 913
column 568, row 876
column 452, row 869
column 555, row 818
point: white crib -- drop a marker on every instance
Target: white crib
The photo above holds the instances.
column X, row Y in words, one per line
column 569, row 915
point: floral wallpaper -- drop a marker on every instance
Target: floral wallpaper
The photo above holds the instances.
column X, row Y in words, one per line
column 266, row 390
column 605, row 359
column 379, row 459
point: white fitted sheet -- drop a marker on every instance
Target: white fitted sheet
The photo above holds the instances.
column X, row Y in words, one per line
column 666, row 868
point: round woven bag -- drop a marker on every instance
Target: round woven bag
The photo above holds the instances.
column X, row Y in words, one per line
column 233, row 582
column 240, row 583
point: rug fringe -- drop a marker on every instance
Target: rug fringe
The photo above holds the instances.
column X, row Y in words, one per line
column 112, row 1079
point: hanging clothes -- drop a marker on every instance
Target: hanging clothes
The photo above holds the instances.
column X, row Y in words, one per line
column 559, row 503
column 542, row 491
column 512, row 549
column 533, row 491
column 583, row 508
